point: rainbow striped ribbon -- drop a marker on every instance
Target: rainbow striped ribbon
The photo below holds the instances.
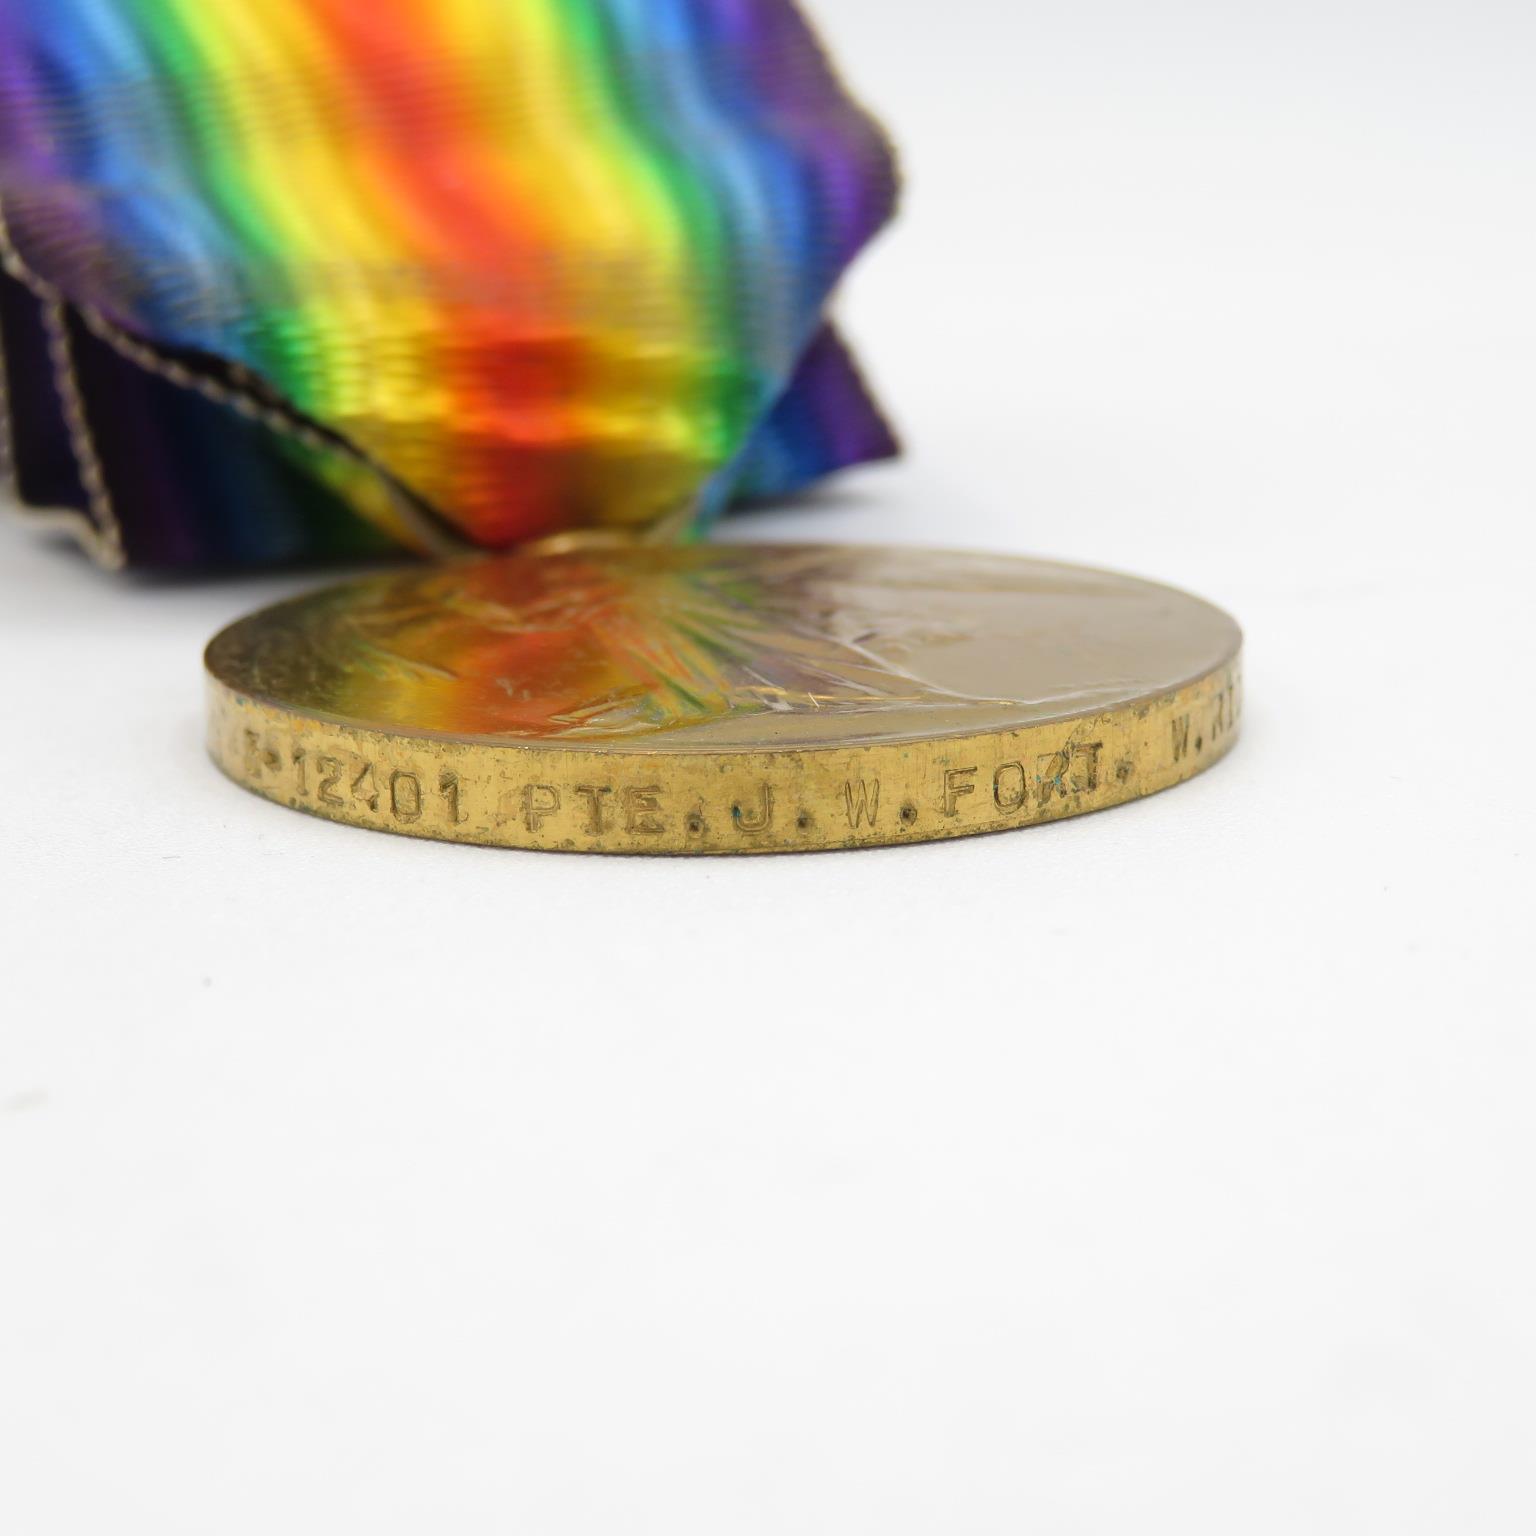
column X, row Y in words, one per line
column 292, row 279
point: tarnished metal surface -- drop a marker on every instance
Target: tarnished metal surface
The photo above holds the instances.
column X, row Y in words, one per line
column 723, row 698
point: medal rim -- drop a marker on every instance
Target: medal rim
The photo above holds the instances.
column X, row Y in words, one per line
column 649, row 795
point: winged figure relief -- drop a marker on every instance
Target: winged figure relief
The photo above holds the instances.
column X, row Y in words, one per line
column 628, row 643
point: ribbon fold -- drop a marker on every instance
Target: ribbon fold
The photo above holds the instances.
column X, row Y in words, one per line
column 300, row 279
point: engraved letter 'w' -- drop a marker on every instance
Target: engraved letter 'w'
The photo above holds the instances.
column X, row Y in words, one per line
column 1180, row 728
column 863, row 801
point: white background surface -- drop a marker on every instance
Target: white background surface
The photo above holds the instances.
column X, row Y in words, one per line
column 1164, row 1171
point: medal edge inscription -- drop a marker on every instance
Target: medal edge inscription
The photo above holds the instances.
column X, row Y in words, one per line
column 521, row 795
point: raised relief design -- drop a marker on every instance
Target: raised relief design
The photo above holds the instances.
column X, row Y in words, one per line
column 801, row 685
column 583, row 646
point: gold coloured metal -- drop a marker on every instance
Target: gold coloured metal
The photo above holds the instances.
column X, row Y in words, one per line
column 723, row 698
